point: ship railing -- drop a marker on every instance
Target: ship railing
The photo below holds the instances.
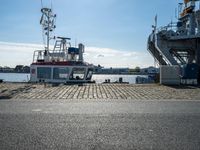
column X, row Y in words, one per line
column 175, row 30
column 57, row 53
column 169, row 31
column 38, row 55
column 171, row 26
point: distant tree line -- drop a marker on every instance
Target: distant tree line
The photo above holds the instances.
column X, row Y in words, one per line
column 17, row 69
column 135, row 70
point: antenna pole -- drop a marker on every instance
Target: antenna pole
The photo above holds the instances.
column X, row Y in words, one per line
column 42, row 3
column 51, row 5
column 48, row 30
column 47, row 21
column 156, row 23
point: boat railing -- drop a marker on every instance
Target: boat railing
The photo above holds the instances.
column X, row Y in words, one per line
column 171, row 26
column 38, row 56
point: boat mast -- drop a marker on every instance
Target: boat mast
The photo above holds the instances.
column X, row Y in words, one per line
column 48, row 24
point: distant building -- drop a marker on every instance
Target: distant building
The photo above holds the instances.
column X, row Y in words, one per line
column 6, row 69
column 100, row 70
column 149, row 70
column 26, row 69
column 97, row 69
column 22, row 69
column 18, row 68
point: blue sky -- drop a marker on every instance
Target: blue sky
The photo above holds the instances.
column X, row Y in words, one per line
column 117, row 25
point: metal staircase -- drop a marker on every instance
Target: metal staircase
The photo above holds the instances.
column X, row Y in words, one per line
column 154, row 52
column 158, row 47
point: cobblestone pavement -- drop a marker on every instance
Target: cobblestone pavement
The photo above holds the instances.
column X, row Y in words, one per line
column 99, row 91
column 9, row 90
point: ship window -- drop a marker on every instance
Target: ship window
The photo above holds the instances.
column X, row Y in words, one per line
column 89, row 74
column 44, row 73
column 77, row 74
column 60, row 73
column 32, row 71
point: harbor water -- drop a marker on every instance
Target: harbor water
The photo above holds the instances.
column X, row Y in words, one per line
column 23, row 77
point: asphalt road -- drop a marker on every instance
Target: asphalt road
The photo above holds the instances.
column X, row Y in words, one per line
column 100, row 125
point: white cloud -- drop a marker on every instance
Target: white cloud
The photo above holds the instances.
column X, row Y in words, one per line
column 118, row 58
column 12, row 54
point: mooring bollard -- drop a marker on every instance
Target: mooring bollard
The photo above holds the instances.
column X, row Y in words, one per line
column 120, row 80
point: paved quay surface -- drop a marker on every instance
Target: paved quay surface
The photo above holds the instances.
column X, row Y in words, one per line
column 108, row 125
column 98, row 91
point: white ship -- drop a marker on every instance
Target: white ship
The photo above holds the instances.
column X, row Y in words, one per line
column 62, row 64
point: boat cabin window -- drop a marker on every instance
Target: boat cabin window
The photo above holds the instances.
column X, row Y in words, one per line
column 77, row 74
column 89, row 74
column 60, row 73
column 44, row 73
column 32, row 71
